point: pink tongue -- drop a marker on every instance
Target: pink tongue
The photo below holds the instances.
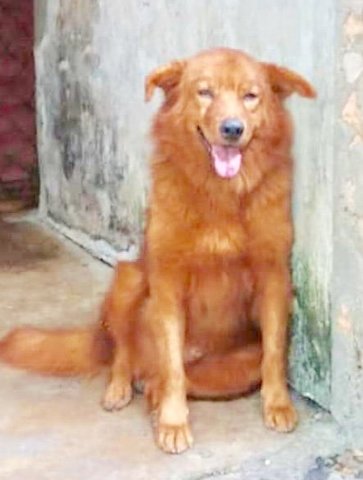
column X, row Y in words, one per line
column 227, row 160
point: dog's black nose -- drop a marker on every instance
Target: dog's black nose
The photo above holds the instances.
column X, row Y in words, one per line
column 231, row 129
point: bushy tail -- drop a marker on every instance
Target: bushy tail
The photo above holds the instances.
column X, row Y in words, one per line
column 56, row 352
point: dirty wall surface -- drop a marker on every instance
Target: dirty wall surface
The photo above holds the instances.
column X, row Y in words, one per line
column 347, row 278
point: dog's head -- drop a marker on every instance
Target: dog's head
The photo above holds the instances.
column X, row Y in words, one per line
column 224, row 99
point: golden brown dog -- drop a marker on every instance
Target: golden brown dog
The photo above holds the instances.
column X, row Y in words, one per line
column 204, row 311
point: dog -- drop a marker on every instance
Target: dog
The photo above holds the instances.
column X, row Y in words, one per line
column 203, row 313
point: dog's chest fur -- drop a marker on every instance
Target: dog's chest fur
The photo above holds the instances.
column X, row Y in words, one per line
column 223, row 240
column 217, row 299
column 220, row 286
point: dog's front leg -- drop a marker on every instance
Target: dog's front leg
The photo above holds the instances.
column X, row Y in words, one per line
column 279, row 412
column 165, row 315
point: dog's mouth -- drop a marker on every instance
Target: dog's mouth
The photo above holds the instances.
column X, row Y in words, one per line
column 226, row 159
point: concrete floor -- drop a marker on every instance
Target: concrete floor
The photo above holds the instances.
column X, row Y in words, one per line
column 55, row 429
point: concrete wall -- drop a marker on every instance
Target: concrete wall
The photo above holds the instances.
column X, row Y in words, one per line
column 90, row 139
column 91, row 58
column 347, row 280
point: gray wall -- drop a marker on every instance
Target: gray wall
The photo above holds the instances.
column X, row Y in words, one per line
column 91, row 59
column 347, row 279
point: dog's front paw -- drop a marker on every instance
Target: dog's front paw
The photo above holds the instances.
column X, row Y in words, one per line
column 118, row 394
column 173, row 438
column 280, row 416
column 171, row 426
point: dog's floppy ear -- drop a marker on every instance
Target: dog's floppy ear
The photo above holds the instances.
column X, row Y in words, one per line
column 284, row 82
column 165, row 77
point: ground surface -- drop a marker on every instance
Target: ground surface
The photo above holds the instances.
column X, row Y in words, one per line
column 55, row 429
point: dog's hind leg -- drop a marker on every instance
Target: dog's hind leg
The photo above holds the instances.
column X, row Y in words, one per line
column 225, row 375
column 118, row 317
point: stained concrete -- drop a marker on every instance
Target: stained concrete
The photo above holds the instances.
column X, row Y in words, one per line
column 52, row 429
column 347, row 285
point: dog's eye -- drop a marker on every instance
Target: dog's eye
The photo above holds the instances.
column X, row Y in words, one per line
column 206, row 93
column 250, row 97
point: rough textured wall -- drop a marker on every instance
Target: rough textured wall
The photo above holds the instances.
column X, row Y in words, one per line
column 347, row 288
column 310, row 356
column 89, row 138
column 92, row 56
